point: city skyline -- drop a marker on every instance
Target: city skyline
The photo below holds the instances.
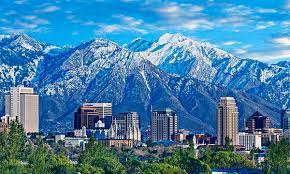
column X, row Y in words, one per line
column 225, row 24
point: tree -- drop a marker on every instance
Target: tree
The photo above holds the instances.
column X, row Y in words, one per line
column 228, row 146
column 60, row 164
column 278, row 157
column 13, row 166
column 38, row 159
column 150, row 143
column 89, row 169
column 226, row 159
column 161, row 168
column 185, row 159
column 98, row 156
column 12, row 143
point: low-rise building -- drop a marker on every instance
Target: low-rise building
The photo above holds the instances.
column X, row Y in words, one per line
column 4, row 127
column 117, row 142
column 181, row 135
column 250, row 140
column 271, row 135
column 60, row 137
column 75, row 142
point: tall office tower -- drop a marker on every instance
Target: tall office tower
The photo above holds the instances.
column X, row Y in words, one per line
column 129, row 125
column 285, row 119
column 90, row 113
column 23, row 105
column 285, row 123
column 257, row 122
column 163, row 125
column 227, row 121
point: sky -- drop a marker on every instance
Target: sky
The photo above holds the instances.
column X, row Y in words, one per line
column 257, row 29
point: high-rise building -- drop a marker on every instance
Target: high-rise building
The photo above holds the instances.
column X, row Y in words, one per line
column 285, row 123
column 163, row 125
column 285, row 119
column 90, row 113
column 22, row 105
column 257, row 122
column 227, row 121
column 128, row 126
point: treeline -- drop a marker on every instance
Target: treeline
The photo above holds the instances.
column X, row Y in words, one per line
column 18, row 155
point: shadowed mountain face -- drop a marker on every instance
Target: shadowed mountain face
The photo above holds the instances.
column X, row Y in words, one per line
column 147, row 77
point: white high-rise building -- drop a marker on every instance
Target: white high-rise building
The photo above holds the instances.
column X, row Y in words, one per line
column 23, row 105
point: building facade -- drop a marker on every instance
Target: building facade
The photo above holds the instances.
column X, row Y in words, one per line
column 227, row 121
column 128, row 126
column 89, row 114
column 257, row 122
column 285, row 123
column 271, row 135
column 22, row 105
column 285, row 119
column 163, row 125
column 250, row 140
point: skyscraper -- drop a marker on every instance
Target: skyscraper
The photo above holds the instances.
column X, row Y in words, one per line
column 227, row 121
column 257, row 122
column 22, row 105
column 90, row 113
column 285, row 123
column 163, row 125
column 285, row 119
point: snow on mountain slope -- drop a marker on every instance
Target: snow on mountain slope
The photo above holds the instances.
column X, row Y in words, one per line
column 177, row 54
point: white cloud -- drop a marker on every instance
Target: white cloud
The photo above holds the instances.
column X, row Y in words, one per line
column 130, row 20
column 266, row 10
column 240, row 51
column 110, row 28
column 48, row 9
column 11, row 30
column 20, row 2
column 285, row 41
column 272, row 55
column 196, row 23
column 26, row 25
column 175, row 10
column 286, row 23
column 261, row 26
column 239, row 10
column 287, row 6
column 230, row 43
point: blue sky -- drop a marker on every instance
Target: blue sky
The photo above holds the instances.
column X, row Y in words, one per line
column 256, row 29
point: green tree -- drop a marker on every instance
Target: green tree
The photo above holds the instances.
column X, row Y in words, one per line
column 38, row 159
column 89, row 169
column 60, row 164
column 161, row 168
column 150, row 143
column 13, row 166
column 278, row 155
column 185, row 159
column 228, row 146
column 98, row 156
column 226, row 159
column 12, row 143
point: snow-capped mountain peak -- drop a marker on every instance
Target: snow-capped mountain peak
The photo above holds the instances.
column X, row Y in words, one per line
column 23, row 41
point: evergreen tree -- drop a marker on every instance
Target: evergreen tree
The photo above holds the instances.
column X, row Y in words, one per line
column 278, row 155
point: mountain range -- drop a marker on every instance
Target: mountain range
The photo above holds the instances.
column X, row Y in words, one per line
column 173, row 72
